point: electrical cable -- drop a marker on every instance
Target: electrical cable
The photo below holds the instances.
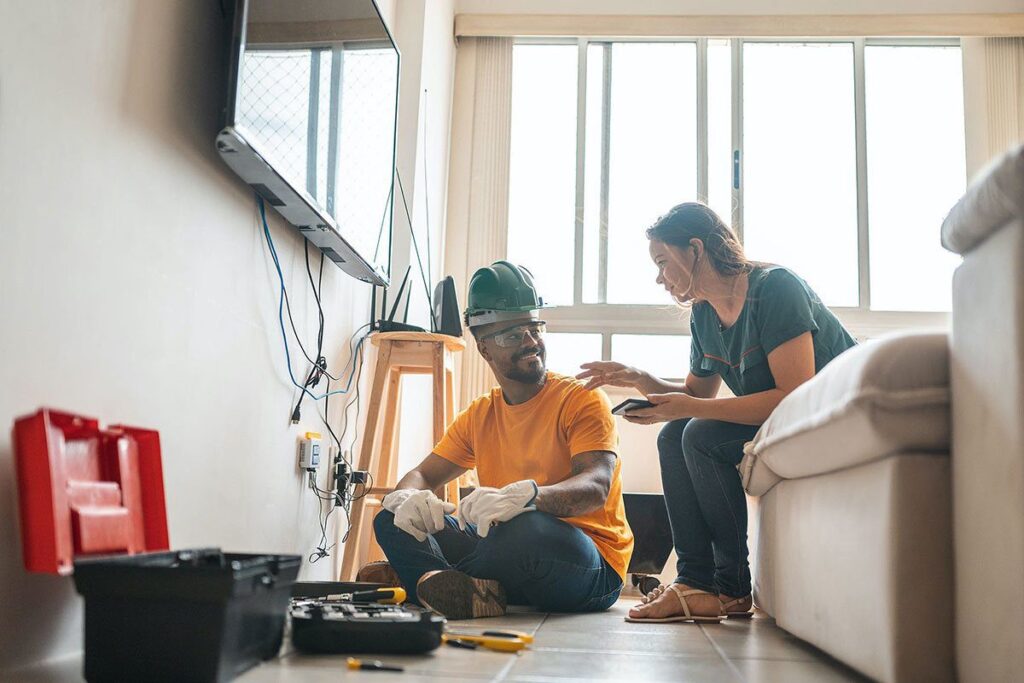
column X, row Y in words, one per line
column 355, row 437
column 323, row 416
column 355, row 434
column 426, row 190
column 295, row 331
column 416, row 247
column 322, row 550
column 353, row 369
column 380, row 230
column 319, row 368
column 356, row 401
column 339, row 498
column 280, row 315
column 317, row 288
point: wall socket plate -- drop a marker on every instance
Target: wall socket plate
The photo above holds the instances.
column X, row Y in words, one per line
column 309, row 451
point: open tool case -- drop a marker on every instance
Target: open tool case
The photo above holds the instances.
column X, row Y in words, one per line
column 91, row 502
column 324, row 620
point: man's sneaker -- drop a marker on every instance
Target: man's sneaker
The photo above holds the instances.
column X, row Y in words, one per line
column 456, row 595
column 379, row 572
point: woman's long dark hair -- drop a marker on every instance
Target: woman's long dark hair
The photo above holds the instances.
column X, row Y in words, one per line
column 691, row 220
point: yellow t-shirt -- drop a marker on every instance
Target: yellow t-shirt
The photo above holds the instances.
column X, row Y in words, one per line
column 537, row 440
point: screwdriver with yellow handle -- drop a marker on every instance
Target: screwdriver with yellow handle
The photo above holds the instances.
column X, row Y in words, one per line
column 501, row 641
column 384, row 596
column 521, row 635
column 371, row 665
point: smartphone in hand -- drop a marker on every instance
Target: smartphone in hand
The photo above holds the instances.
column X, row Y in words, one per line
column 631, row 404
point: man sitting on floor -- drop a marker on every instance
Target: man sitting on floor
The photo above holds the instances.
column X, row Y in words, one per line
column 547, row 526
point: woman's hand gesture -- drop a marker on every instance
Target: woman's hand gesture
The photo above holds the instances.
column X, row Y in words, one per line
column 667, row 407
column 609, row 373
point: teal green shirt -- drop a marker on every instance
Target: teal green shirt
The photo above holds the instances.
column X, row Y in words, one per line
column 779, row 306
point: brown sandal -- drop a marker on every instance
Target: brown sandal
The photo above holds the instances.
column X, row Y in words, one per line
column 682, row 593
column 738, row 608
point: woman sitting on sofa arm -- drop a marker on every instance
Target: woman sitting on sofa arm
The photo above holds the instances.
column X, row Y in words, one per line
column 764, row 331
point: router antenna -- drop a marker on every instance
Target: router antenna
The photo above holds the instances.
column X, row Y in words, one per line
column 398, row 297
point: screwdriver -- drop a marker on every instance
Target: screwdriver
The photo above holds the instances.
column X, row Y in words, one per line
column 372, row 665
column 525, row 637
column 504, row 644
column 387, row 596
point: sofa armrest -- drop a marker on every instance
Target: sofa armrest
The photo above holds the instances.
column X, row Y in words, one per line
column 873, row 400
column 994, row 197
column 758, row 479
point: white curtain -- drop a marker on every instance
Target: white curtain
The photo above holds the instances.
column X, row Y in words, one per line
column 477, row 225
column 994, row 96
column 1004, row 58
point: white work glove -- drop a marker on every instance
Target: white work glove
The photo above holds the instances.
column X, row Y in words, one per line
column 417, row 513
column 486, row 506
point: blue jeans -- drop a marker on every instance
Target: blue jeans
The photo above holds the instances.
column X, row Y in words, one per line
column 539, row 559
column 706, row 504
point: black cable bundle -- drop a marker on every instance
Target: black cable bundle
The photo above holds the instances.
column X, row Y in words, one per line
column 341, row 497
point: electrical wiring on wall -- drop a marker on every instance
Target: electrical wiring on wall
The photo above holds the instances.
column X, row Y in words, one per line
column 342, row 496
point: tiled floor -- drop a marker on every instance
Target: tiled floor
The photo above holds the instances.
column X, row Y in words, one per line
column 572, row 648
column 590, row 647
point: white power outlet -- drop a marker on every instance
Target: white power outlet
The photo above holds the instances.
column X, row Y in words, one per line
column 309, row 451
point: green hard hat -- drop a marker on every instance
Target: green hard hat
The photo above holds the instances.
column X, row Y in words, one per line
column 500, row 291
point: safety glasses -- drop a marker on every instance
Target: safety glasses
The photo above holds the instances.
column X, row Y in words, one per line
column 512, row 337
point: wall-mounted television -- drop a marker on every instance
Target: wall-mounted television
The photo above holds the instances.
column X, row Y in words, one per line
column 310, row 122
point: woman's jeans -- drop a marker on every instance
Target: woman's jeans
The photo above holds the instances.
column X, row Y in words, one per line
column 706, row 504
column 539, row 559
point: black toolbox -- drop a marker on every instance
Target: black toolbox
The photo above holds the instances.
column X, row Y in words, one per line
column 187, row 615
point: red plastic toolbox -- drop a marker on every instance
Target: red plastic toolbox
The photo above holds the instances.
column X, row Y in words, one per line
column 92, row 504
column 85, row 490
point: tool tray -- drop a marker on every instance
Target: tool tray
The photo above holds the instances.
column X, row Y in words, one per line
column 321, row 625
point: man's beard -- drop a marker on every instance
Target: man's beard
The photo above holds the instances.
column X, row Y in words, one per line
column 531, row 376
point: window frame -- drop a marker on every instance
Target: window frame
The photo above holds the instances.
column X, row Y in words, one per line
column 609, row 319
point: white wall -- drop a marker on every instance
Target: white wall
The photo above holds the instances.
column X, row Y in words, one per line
column 424, row 30
column 135, row 285
column 670, row 7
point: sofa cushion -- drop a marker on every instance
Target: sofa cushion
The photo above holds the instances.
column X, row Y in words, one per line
column 995, row 196
column 873, row 400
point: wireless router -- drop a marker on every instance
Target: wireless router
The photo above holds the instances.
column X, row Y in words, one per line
column 389, row 324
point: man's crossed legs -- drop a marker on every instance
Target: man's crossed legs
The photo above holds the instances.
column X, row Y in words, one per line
column 538, row 559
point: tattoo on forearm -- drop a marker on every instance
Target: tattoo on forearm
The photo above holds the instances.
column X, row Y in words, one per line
column 585, row 490
column 562, row 503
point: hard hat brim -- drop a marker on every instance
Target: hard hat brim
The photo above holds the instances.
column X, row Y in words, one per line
column 487, row 317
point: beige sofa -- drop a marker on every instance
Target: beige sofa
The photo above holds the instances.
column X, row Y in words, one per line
column 853, row 548
column 854, row 539
column 987, row 378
